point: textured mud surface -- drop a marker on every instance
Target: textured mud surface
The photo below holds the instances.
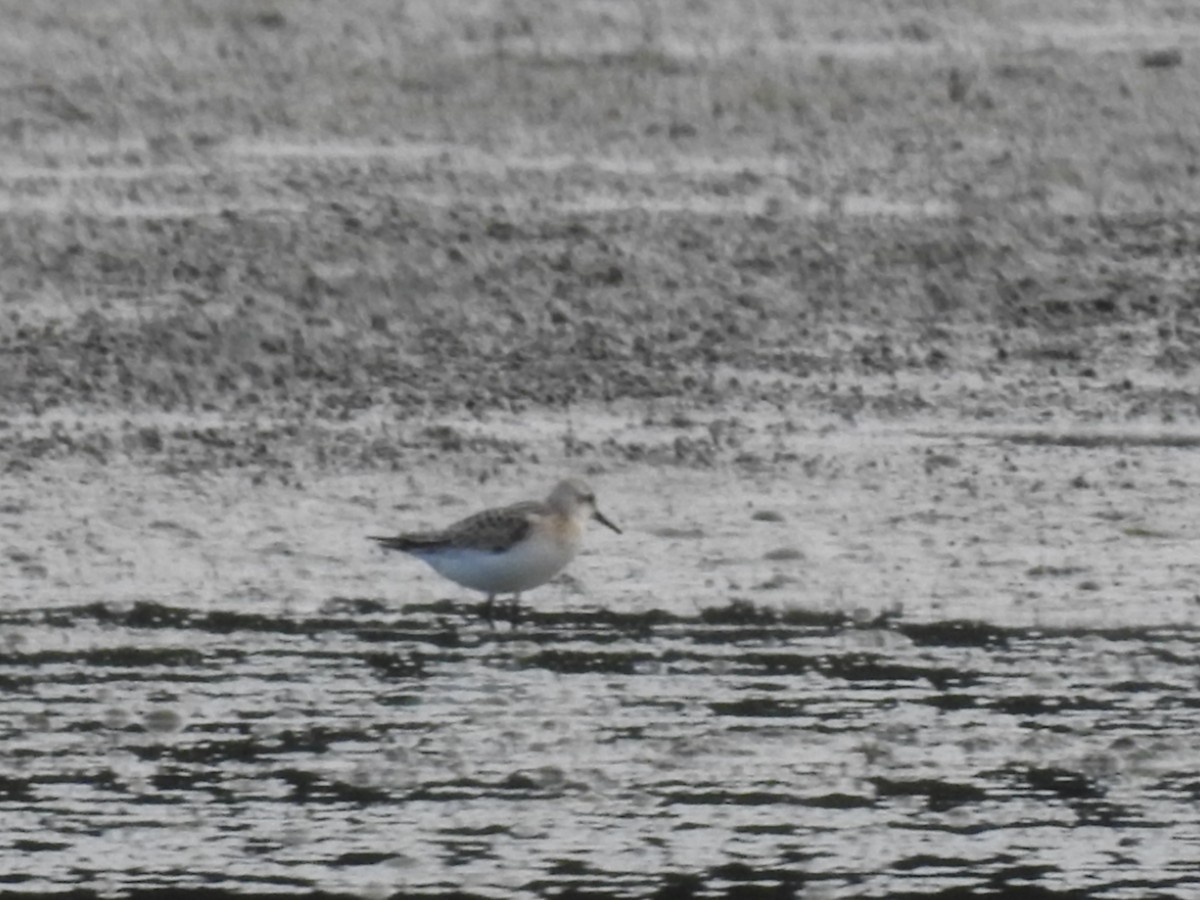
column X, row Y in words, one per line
column 876, row 333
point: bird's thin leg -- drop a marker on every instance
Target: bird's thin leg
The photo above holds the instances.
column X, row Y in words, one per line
column 515, row 617
column 487, row 609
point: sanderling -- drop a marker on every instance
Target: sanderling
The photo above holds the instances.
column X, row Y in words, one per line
column 509, row 549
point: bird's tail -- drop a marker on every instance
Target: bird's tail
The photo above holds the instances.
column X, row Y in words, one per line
column 406, row 542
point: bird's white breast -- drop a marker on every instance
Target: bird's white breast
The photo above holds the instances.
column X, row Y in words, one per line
column 523, row 566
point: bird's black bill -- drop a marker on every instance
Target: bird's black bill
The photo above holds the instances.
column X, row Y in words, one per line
column 603, row 520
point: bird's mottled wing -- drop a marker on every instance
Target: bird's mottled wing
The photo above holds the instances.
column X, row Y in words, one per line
column 493, row 529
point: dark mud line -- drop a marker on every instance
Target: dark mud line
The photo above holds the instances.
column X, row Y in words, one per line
column 749, row 622
column 1092, row 441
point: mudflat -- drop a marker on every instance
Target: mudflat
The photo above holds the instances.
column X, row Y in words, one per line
column 877, row 334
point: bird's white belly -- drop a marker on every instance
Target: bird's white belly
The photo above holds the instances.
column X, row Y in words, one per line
column 520, row 568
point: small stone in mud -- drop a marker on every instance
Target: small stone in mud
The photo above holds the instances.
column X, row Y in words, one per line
column 162, row 721
column 862, row 616
column 38, row 721
column 671, row 531
column 115, row 718
column 767, row 515
column 783, row 554
column 1167, row 58
column 151, row 439
column 775, row 582
column 500, row 230
column 935, row 461
column 447, row 438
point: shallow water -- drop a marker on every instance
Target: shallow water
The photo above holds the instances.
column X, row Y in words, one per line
column 369, row 750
